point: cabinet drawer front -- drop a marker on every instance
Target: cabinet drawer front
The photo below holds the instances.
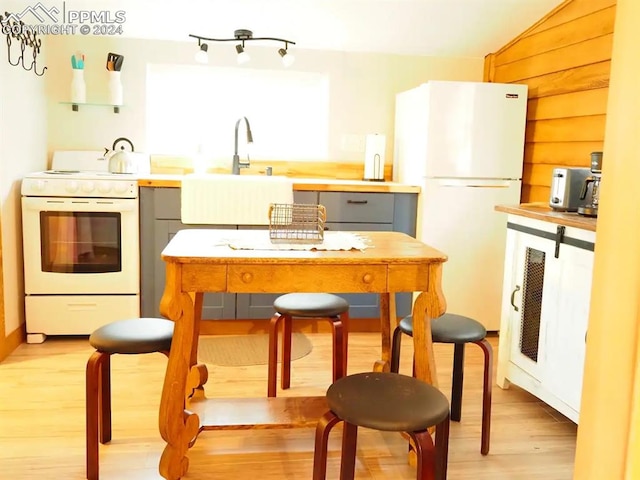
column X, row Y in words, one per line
column 358, row 207
column 308, row 278
column 358, row 227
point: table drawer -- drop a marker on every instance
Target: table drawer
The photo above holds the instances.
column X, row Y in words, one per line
column 204, row 278
column 309, row 278
column 358, row 207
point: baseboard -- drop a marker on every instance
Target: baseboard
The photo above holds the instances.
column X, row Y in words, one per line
column 12, row 341
column 243, row 327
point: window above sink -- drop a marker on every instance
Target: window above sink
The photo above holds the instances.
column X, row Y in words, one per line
column 192, row 109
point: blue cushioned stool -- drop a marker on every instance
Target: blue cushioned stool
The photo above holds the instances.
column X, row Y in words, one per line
column 388, row 402
column 128, row 337
column 325, row 306
column 459, row 330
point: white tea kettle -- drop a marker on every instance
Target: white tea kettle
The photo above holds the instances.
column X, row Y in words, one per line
column 120, row 160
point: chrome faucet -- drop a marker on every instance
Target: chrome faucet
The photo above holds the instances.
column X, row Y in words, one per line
column 237, row 165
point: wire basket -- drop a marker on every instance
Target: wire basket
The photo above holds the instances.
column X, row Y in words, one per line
column 296, row 223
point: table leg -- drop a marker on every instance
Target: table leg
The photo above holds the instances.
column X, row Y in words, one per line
column 388, row 322
column 428, row 305
column 178, row 426
column 198, row 373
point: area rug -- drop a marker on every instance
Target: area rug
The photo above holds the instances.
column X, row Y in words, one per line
column 242, row 350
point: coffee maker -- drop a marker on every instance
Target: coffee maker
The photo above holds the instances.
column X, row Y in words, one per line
column 591, row 209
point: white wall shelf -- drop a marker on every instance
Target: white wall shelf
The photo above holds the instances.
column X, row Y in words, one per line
column 75, row 106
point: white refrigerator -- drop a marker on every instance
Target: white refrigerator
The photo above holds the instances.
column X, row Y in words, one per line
column 463, row 143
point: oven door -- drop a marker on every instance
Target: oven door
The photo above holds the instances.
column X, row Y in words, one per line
column 81, row 245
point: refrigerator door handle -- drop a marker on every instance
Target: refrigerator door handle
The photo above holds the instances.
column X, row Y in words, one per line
column 475, row 183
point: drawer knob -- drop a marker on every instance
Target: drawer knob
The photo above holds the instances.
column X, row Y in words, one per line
column 367, row 278
column 247, row 277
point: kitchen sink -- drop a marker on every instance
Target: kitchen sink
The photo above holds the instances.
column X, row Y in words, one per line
column 224, row 199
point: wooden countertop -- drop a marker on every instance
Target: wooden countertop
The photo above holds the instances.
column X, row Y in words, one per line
column 542, row 211
column 299, row 184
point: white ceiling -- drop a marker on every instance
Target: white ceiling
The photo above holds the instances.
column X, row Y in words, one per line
column 470, row 28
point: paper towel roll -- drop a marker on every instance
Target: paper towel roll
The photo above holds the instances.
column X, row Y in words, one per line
column 374, row 157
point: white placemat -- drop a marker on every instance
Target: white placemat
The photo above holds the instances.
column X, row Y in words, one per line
column 332, row 241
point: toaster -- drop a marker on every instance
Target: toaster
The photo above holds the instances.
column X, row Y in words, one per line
column 566, row 186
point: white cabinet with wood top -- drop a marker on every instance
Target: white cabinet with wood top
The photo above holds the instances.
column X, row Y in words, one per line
column 545, row 310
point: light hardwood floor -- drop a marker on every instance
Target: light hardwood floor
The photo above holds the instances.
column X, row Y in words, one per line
column 42, row 421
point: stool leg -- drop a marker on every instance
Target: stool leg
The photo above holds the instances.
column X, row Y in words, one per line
column 323, row 428
column 273, row 355
column 396, row 343
column 456, row 385
column 93, row 405
column 442, row 449
column 285, row 375
column 348, row 461
column 344, row 319
column 337, row 335
column 486, row 394
column 105, row 400
column 425, row 453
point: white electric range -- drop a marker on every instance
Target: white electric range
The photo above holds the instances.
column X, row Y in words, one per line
column 81, row 246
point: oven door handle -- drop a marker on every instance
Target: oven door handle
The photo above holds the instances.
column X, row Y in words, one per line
column 43, row 204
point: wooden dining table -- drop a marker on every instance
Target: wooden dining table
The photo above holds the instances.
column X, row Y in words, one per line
column 208, row 260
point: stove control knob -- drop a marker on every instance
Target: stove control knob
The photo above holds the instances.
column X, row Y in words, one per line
column 121, row 187
column 88, row 187
column 104, row 187
column 39, row 185
column 72, row 186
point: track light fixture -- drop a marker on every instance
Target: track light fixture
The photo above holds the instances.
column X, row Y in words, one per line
column 243, row 36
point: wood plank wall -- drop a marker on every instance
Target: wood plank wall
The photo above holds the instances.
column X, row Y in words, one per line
column 565, row 59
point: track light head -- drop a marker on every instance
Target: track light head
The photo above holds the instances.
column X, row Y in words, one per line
column 201, row 55
column 243, row 57
column 287, row 58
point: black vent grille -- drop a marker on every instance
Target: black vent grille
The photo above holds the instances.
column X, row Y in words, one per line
column 532, row 303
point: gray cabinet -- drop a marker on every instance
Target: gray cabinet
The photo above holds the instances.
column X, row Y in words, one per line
column 160, row 220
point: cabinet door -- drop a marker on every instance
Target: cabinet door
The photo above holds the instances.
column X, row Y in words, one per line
column 215, row 305
column 566, row 334
column 529, row 302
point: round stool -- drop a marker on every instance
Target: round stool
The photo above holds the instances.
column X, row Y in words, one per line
column 459, row 330
column 324, row 306
column 388, row 402
column 129, row 337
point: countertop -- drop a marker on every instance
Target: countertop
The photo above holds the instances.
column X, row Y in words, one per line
column 542, row 211
column 299, row 184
